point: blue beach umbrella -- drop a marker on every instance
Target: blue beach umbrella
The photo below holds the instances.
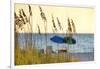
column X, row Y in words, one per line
column 61, row 40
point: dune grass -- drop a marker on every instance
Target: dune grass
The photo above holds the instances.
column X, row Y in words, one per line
column 29, row 54
column 33, row 56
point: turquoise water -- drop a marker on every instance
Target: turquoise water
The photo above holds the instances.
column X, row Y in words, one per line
column 84, row 42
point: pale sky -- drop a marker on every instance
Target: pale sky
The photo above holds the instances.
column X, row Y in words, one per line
column 83, row 18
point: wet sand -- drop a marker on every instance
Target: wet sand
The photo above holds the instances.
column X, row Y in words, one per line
column 89, row 56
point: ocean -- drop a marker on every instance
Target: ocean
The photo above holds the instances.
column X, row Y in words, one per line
column 83, row 49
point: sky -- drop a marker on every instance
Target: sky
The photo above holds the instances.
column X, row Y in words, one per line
column 84, row 18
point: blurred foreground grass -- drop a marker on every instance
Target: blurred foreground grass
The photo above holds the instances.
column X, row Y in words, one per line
column 33, row 56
